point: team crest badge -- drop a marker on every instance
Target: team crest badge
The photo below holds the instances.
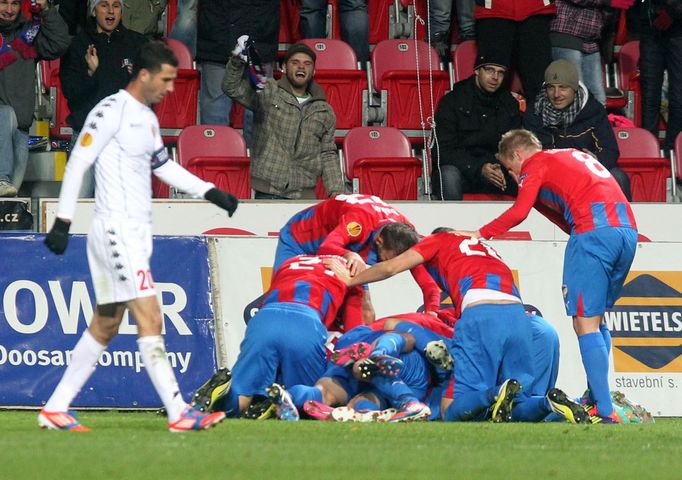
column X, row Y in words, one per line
column 86, row 140
column 354, row 229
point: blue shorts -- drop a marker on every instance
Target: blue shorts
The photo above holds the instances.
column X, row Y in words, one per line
column 492, row 342
column 595, row 266
column 283, row 343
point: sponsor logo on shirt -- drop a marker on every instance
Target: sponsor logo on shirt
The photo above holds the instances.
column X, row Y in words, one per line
column 86, row 140
column 522, row 177
column 354, row 229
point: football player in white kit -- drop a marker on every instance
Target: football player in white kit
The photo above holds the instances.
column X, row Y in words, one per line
column 121, row 138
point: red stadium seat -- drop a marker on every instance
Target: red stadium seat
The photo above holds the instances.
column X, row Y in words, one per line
column 171, row 14
column 678, row 157
column 288, row 24
column 336, row 70
column 59, row 108
column 395, row 73
column 217, row 154
column 627, row 77
column 379, row 161
column 179, row 108
column 641, row 160
column 379, row 18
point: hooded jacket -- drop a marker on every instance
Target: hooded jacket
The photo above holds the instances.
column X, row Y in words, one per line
column 115, row 52
column 18, row 80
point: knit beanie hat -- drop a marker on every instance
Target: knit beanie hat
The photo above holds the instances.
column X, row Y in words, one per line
column 490, row 57
column 562, row 72
column 93, row 3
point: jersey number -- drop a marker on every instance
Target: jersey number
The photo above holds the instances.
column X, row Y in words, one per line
column 145, row 278
column 466, row 248
column 591, row 163
column 308, row 263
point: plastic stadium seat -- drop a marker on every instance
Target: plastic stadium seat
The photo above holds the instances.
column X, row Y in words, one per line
column 179, row 108
column 336, row 70
column 288, row 24
column 379, row 19
column 641, row 160
column 678, row 157
column 627, row 76
column 171, row 14
column 394, row 72
column 217, row 154
column 379, row 161
column 59, row 108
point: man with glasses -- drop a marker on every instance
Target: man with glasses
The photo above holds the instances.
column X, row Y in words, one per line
column 469, row 122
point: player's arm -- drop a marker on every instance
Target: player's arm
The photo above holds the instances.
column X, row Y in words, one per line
column 429, row 289
column 349, row 230
column 382, row 270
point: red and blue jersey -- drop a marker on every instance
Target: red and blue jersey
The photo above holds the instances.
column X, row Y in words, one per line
column 305, row 280
column 459, row 264
column 569, row 187
column 426, row 320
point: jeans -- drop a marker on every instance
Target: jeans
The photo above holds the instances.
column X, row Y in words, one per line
column 13, row 148
column 185, row 24
column 452, row 183
column 658, row 53
column 214, row 105
column 441, row 17
column 354, row 23
column 589, row 68
column 88, row 186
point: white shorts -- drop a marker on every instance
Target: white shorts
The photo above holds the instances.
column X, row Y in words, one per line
column 118, row 256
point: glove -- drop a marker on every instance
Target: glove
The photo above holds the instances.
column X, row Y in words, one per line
column 58, row 237
column 240, row 50
column 224, row 200
column 622, row 4
column 663, row 21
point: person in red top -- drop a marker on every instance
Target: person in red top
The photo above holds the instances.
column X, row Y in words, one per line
column 577, row 193
column 363, row 229
column 492, row 344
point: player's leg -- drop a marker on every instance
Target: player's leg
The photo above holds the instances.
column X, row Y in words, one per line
column 430, row 343
column 84, row 357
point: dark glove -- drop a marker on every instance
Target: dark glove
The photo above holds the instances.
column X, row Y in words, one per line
column 58, row 238
column 663, row 21
column 224, row 200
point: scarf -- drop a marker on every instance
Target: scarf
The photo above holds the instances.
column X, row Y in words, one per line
column 558, row 118
column 23, row 44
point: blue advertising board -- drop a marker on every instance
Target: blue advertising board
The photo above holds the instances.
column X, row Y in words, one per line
column 47, row 302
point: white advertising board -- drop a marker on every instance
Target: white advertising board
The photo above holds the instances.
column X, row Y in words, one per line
column 646, row 323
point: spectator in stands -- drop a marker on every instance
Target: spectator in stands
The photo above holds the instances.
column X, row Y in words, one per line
column 293, row 127
column 75, row 14
column 22, row 41
column 185, row 25
column 97, row 64
column 354, row 23
column 469, row 123
column 440, row 15
column 566, row 115
column 575, row 35
column 143, row 16
column 661, row 49
column 519, row 27
column 219, row 24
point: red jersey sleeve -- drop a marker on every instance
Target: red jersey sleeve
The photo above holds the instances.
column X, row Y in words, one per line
column 427, row 248
column 429, row 288
column 530, row 181
column 352, row 229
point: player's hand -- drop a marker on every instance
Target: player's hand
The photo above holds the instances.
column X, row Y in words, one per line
column 492, row 172
column 240, row 49
column 468, row 233
column 355, row 263
column 224, row 200
column 58, row 238
column 339, row 268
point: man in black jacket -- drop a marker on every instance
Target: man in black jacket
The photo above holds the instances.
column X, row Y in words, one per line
column 567, row 115
column 469, row 123
column 97, row 64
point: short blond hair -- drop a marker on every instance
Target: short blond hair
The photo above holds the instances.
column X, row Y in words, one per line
column 515, row 139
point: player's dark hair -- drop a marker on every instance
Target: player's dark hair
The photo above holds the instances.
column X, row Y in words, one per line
column 442, row 230
column 398, row 236
column 151, row 56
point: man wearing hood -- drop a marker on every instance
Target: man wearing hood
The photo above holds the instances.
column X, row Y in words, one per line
column 22, row 42
column 97, row 64
column 470, row 121
column 567, row 115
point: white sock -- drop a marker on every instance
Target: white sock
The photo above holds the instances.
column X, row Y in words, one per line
column 83, row 361
column 158, row 368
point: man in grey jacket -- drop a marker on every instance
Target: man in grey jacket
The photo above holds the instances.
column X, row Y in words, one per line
column 22, row 42
column 293, row 127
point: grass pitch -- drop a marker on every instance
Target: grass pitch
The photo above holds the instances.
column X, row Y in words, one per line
column 138, row 446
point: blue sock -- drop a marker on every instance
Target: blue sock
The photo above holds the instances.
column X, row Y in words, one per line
column 530, row 408
column 596, row 363
column 302, row 393
column 389, row 344
column 604, row 329
column 470, row 405
column 365, row 405
column 231, row 404
column 421, row 335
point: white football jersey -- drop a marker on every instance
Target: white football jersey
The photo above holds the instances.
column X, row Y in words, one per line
column 121, row 138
